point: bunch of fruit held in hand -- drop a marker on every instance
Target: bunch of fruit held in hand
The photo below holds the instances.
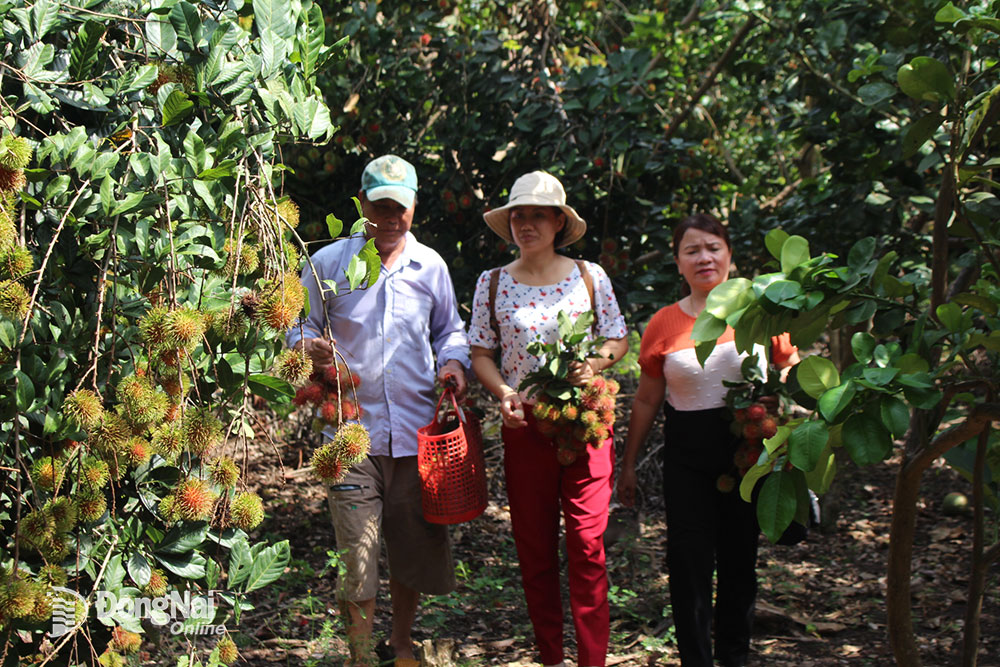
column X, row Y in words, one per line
column 330, row 394
column 574, row 416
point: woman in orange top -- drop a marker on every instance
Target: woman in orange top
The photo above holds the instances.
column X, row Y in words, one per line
column 707, row 529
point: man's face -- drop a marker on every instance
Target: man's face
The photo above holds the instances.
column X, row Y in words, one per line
column 388, row 222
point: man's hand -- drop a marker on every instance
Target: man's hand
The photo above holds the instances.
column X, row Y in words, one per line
column 626, row 486
column 319, row 350
column 452, row 374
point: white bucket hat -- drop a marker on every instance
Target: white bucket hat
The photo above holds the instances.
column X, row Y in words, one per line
column 537, row 189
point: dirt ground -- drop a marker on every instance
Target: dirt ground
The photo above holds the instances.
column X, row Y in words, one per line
column 821, row 602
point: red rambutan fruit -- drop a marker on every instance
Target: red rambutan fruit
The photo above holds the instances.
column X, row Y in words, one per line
column 768, row 427
column 124, row 641
column 349, row 409
column 193, row 499
column 756, row 412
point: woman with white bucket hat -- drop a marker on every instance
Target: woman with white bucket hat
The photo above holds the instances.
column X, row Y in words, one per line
column 515, row 305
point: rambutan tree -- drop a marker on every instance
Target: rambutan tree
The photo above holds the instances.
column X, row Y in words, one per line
column 149, row 266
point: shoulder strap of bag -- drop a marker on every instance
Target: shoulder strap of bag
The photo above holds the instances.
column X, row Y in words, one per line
column 494, row 279
column 588, row 281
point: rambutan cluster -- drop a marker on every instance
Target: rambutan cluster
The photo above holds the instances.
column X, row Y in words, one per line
column 349, row 446
column 23, row 598
column 46, row 530
column 756, row 423
column 330, row 394
column 583, row 420
column 15, row 260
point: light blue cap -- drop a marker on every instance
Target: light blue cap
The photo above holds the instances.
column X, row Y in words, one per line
column 390, row 177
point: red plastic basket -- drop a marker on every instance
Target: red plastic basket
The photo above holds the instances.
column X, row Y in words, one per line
column 452, row 469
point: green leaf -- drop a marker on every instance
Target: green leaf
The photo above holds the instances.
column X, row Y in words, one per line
column 816, row 375
column 271, row 388
column 873, row 93
column 85, row 50
column 821, row 477
column 25, row 394
column 183, row 538
column 212, row 572
column 895, row 415
column 806, row 445
column 188, row 566
column 834, row 401
column 356, row 272
column 274, row 27
column 312, row 41
column 794, row 251
column 177, row 107
column 373, row 262
column 240, row 561
column 950, row 315
column 861, row 253
column 268, row 566
column 949, row 14
column 138, row 569
column 919, row 132
column 707, row 327
column 334, row 225
column 866, row 439
column 911, row 362
column 187, row 25
column 160, row 34
column 44, row 17
column 983, row 303
column 863, row 345
column 926, row 79
column 703, row 351
column 774, row 240
column 729, row 297
column 880, row 376
column 223, row 170
column 776, row 504
column 783, row 293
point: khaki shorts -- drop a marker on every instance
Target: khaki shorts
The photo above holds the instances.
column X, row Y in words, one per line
column 389, row 498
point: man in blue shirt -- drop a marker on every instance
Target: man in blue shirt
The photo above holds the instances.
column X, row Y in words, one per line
column 390, row 335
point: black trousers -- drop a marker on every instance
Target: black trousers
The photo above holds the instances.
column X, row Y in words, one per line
column 707, row 531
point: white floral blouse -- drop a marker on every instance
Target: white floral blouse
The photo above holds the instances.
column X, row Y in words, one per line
column 528, row 313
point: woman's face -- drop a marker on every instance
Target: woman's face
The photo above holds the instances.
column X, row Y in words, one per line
column 703, row 259
column 535, row 226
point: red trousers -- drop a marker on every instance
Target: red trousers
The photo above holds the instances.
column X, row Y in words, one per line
column 537, row 487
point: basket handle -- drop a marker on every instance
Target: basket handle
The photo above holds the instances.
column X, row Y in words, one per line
column 450, row 394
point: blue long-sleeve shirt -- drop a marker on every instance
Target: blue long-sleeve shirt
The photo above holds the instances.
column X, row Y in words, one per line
column 390, row 335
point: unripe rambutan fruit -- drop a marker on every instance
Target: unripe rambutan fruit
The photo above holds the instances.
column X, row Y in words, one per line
column 157, row 586
column 14, row 300
column 756, row 412
column 90, row 506
column 8, row 230
column 111, row 658
column 326, row 463
column 93, row 473
column 601, row 433
column 15, row 262
column 589, row 418
column 566, row 456
column 590, row 401
column 540, row 410
column 230, row 326
column 281, row 302
column 227, row 650
column 52, row 575
column 202, row 430
column 555, row 414
column 611, row 386
column 570, row 412
column 329, row 412
column 168, row 509
column 137, row 451
column 224, row 472
column 349, row 409
column 84, row 408
column 12, row 180
column 124, row 641
column 246, row 511
column 55, row 549
column 606, row 403
column 15, row 152
column 153, row 328
column 108, row 438
column 246, row 261
column 17, row 597
column 293, row 366
column 47, row 473
column 287, row 213
column 43, row 605
column 292, row 257
column 193, row 499
column 168, row 440
column 311, row 394
column 185, row 327
column 607, row 417
column 352, row 443
column 768, row 427
column 38, row 526
column 139, row 403
column 173, row 413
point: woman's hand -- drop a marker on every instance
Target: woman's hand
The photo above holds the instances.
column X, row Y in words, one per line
column 626, row 486
column 580, row 372
column 512, row 410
